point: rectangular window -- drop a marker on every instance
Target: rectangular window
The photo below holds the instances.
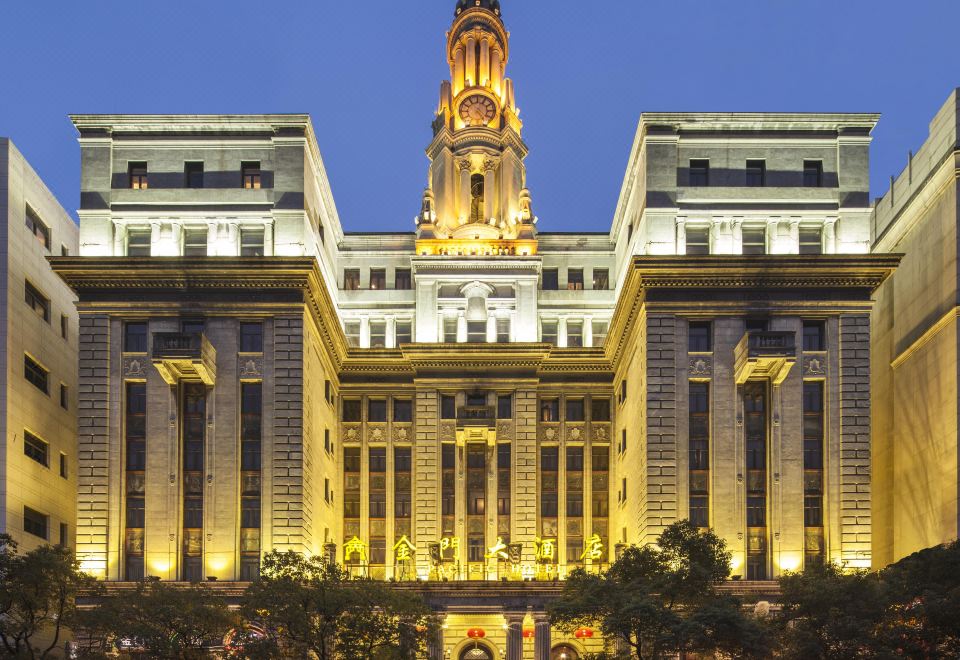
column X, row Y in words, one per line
column 195, row 242
column 811, row 240
column 448, row 457
column 813, row 463
column 448, row 407
column 404, row 332
column 64, row 325
column 600, row 457
column 814, row 336
column 251, row 337
column 475, row 549
column 135, row 337
column 623, row 440
column 378, row 334
column 505, row 406
column 138, row 242
column 574, row 459
column 575, row 410
column 450, row 330
column 575, row 334
column 251, row 241
column 503, row 330
column 601, row 279
column 35, row 523
column 812, row 173
column 402, row 410
column 38, row 302
column 351, row 279
column 699, row 172
column 600, row 410
column 700, row 339
column 757, row 325
column 600, row 330
column 755, row 431
column 35, row 448
column 698, row 241
column 623, row 391
column 699, row 453
column 402, row 460
column 754, row 240
column 378, row 279
column 378, row 459
column 137, row 175
column 36, row 374
column 352, row 410
column 64, row 466
column 37, row 227
column 376, row 410
column 250, row 175
column 549, row 459
column 64, row 535
column 403, row 280
column 548, row 332
column 476, row 332
column 575, row 279
column 352, row 330
column 550, row 410
column 64, row 396
column 756, row 173
column 551, row 279
column 351, row 459
column 193, row 175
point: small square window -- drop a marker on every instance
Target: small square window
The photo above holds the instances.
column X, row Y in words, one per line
column 251, row 241
column 378, row 334
column 699, row 172
column 756, row 173
column 35, row 523
column 575, row 334
column 352, row 410
column 476, row 332
column 402, row 410
column 351, row 279
column 35, row 448
column 754, row 240
column 403, row 280
column 550, row 410
column 251, row 337
column 404, row 332
column 601, row 279
column 700, row 337
column 250, row 175
column 137, row 175
column 812, row 173
column 551, row 279
column 548, row 332
column 698, row 241
column 138, row 242
column 600, row 410
column 811, row 240
column 575, row 279
column 135, row 337
column 36, row 374
column 575, row 410
column 376, row 410
column 378, row 279
column 814, row 336
column 193, row 175
column 195, row 242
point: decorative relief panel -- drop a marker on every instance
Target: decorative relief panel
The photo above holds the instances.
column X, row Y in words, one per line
column 402, row 433
column 551, row 432
column 575, row 434
column 448, row 432
column 814, row 365
column 134, row 367
column 351, row 433
column 601, row 432
column 701, row 366
column 505, row 431
column 376, row 432
column 250, row 367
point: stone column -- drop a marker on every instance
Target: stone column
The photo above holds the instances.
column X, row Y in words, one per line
column 268, row 239
column 484, row 63
column 119, row 238
column 541, row 637
column 738, row 236
column 391, row 332
column 588, row 331
column 212, row 239
column 464, row 210
column 794, row 236
column 435, row 641
column 681, row 235
column 154, row 238
column 830, row 236
column 233, row 235
column 491, row 329
column 489, row 190
column 525, row 328
column 461, row 328
column 562, row 332
column 514, row 635
column 427, row 317
column 364, row 332
column 458, row 70
column 496, row 71
column 471, row 73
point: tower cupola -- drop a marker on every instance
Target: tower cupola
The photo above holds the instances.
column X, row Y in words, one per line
column 492, row 5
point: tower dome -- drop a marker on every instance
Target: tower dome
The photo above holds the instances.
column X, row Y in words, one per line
column 491, row 5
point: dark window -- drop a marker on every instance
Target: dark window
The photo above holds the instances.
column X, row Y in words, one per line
column 699, row 172
column 64, row 470
column 250, row 175
column 601, row 279
column 575, row 334
column 251, row 425
column 35, row 523
column 326, row 441
column 600, row 457
column 376, row 410
column 378, row 334
column 503, row 456
column 193, row 175
column 550, row 410
column 600, row 410
column 378, row 279
column 403, row 280
column 756, row 173
column 251, row 338
column 352, row 410
column 64, row 396
column 402, row 461
column 378, row 505
column 505, row 406
column 623, row 441
column 35, row 374
column 448, row 457
column 378, row 459
column 64, row 535
column 575, row 410
column 37, row 227
column 551, row 279
column 601, row 505
column 575, row 279
column 136, row 513
column 476, row 332
column 251, row 241
column 328, row 391
column 351, row 279
column 548, row 332
column 475, row 549
column 548, row 505
column 700, row 511
column 138, row 242
column 448, row 406
column 757, row 325
column 812, row 173
column 813, row 511
column 700, row 339
column 38, row 302
column 195, row 242
column 250, row 513
column 476, row 399
column 754, row 240
column 814, row 336
column 811, row 240
column 135, row 338
column 623, row 390
column 193, row 513
column 35, row 448
column 698, row 241
column 137, row 174
column 192, row 326
column 404, row 332
column 756, row 512
column 401, row 505
column 192, row 568
column 549, row 459
column 574, row 459
column 503, row 506
column 249, row 568
column 134, row 568
column 503, row 330
column 402, row 410
column 574, row 505
column 351, row 459
column 64, row 325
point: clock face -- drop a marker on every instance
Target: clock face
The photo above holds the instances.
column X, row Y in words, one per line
column 477, row 110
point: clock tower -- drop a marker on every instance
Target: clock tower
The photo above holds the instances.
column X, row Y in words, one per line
column 476, row 202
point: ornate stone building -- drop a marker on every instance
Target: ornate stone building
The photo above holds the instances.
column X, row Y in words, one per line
column 478, row 405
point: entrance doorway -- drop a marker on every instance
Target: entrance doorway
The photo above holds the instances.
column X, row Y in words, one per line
column 564, row 652
column 477, row 652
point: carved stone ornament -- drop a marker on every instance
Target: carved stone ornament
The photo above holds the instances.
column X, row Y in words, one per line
column 351, row 434
column 251, row 367
column 376, row 434
column 550, row 433
column 133, row 367
column 701, row 366
column 489, row 165
column 575, row 434
column 447, row 432
column 600, row 433
column 465, row 164
column 504, row 430
column 814, row 365
column 401, row 434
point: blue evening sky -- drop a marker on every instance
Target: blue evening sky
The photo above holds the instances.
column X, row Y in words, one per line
column 369, row 74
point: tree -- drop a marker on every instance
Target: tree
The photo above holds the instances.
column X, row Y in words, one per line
column 38, row 592
column 661, row 601
column 161, row 620
column 309, row 606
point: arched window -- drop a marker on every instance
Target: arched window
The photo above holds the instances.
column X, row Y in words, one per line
column 476, row 653
column 564, row 652
column 476, row 198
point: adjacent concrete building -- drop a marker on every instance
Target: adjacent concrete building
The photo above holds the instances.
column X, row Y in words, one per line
column 38, row 321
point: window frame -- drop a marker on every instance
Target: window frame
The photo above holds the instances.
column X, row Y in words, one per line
column 35, row 298
column 191, row 169
column 32, row 365
column 251, row 175
column 37, row 227
column 698, row 173
column 39, row 449
column 756, row 173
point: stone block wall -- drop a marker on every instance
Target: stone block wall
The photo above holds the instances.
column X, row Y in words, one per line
column 856, row 520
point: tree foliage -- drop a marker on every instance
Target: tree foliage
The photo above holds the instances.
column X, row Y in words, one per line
column 309, row 606
column 161, row 620
column 661, row 601
column 38, row 592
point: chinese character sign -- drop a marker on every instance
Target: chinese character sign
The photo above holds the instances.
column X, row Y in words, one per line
column 404, row 550
column 355, row 547
column 594, row 549
column 498, row 551
column 545, row 551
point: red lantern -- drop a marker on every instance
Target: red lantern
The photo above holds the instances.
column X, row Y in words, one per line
column 583, row 633
column 476, row 633
column 528, row 633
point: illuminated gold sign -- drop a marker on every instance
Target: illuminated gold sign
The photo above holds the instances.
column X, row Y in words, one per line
column 355, row 547
column 404, row 550
column 594, row 549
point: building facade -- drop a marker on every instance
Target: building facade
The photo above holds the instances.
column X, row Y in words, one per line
column 474, row 402
column 39, row 324
column 915, row 349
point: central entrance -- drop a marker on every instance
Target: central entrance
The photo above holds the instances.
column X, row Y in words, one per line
column 477, row 652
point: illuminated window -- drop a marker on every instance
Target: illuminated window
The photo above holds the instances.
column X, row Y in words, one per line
column 137, row 175
column 378, row 279
column 195, row 242
column 250, row 175
column 811, row 240
column 138, row 242
column 351, row 279
column 251, row 241
column 699, row 172
column 575, row 279
column 38, row 302
column 193, row 175
column 550, row 410
column 698, row 241
column 601, row 279
column 812, row 173
column 37, row 227
column 756, row 173
column 36, row 374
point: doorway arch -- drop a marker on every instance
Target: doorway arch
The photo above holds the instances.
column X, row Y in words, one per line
column 564, row 652
column 476, row 651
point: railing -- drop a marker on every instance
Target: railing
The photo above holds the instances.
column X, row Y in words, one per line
column 475, row 416
column 177, row 345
